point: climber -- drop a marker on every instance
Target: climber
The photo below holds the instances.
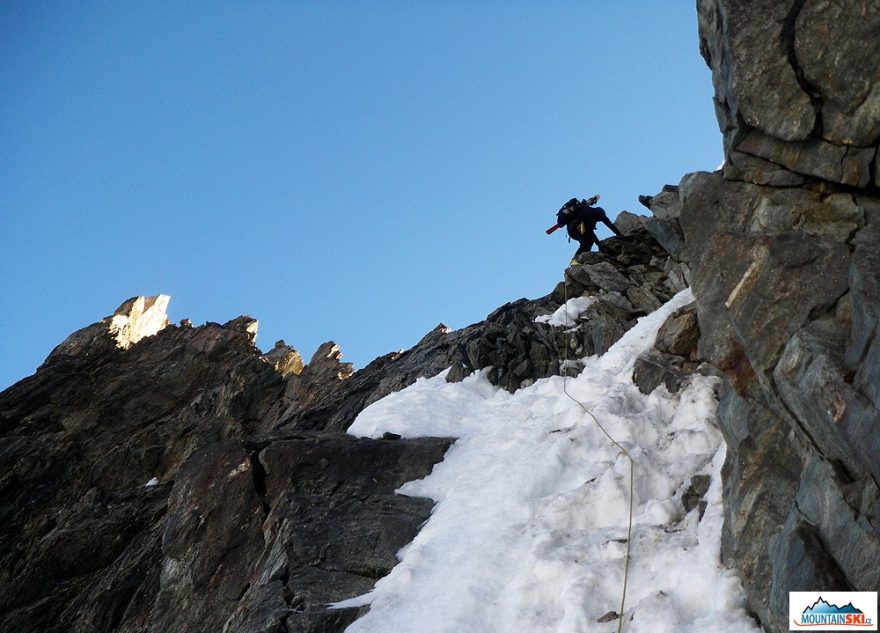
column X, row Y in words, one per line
column 580, row 217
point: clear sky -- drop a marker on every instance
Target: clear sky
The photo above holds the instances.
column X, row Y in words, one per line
column 347, row 171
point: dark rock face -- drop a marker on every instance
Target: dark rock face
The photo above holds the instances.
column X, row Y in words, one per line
column 170, row 486
column 169, row 478
column 157, row 478
column 782, row 251
column 264, row 538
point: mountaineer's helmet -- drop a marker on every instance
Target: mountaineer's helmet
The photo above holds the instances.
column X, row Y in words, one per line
column 571, row 203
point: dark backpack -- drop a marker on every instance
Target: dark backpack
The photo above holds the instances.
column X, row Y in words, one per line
column 579, row 217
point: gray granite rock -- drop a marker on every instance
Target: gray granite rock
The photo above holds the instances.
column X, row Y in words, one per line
column 835, row 45
column 786, row 300
column 797, row 88
column 747, row 44
column 627, row 222
column 781, row 248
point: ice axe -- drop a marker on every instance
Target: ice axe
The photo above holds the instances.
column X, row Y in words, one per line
column 590, row 202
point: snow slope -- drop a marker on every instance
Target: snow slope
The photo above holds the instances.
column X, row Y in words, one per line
column 529, row 530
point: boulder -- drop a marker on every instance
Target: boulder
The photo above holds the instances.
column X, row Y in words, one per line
column 667, row 233
column 680, row 333
column 627, row 222
column 693, row 496
column 654, row 368
column 666, row 205
column 671, row 361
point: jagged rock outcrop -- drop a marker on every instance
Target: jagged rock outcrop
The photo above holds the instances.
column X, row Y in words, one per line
column 135, row 319
column 160, row 485
column 782, row 248
column 285, row 359
column 632, row 276
column 158, row 477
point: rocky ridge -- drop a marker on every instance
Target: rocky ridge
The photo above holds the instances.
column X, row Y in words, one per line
column 162, row 477
column 156, row 486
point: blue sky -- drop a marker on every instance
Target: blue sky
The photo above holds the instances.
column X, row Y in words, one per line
column 348, row 171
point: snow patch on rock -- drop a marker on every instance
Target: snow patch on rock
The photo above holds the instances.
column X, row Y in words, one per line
column 568, row 312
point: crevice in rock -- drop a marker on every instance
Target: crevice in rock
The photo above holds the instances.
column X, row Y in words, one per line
column 841, row 472
column 736, row 132
column 120, row 608
column 243, row 591
column 789, row 30
column 824, row 311
column 770, row 160
column 872, row 169
column 781, row 408
column 849, row 376
column 258, row 474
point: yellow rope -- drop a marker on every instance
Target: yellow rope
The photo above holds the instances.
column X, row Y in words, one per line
column 622, row 450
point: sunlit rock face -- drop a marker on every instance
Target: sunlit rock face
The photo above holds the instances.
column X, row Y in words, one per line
column 135, row 319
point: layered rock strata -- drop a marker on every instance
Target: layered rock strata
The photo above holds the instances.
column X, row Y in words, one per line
column 782, row 248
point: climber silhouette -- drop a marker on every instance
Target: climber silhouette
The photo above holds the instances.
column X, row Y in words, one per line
column 580, row 218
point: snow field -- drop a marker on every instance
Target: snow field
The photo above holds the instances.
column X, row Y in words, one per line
column 528, row 534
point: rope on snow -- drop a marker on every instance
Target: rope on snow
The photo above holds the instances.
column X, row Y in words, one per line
column 622, row 450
